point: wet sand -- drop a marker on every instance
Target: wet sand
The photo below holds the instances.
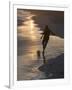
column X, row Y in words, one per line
column 31, row 67
column 54, row 68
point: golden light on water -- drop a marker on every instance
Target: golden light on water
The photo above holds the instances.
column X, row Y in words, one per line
column 31, row 24
column 32, row 31
column 29, row 29
column 33, row 37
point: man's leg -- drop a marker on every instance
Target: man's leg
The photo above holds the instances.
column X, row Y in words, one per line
column 43, row 47
column 45, row 44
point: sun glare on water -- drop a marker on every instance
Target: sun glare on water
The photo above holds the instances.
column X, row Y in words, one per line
column 29, row 30
column 32, row 31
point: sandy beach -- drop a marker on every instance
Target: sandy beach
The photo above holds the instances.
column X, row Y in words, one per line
column 30, row 67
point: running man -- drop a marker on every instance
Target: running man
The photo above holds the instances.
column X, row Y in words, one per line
column 45, row 37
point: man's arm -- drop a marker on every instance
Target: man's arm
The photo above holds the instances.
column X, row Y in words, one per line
column 52, row 33
column 41, row 36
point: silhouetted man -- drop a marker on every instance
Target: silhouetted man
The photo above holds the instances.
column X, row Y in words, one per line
column 45, row 37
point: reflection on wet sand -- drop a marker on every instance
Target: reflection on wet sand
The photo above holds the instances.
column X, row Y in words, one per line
column 29, row 61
